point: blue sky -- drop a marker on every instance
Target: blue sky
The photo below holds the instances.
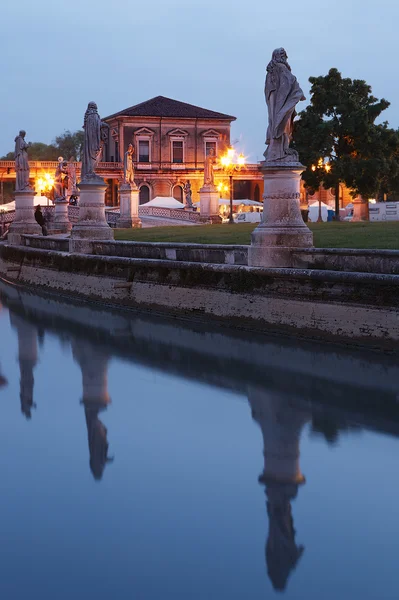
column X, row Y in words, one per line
column 59, row 56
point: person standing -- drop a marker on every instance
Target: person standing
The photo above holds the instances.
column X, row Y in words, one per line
column 39, row 217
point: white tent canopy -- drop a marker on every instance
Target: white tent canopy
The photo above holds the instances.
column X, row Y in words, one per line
column 164, row 202
column 314, row 211
column 42, row 200
column 245, row 202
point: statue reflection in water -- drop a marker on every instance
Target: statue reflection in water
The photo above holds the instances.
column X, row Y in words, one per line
column 94, row 365
column 27, row 358
column 281, row 423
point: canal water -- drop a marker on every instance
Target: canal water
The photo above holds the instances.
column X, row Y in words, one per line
column 148, row 458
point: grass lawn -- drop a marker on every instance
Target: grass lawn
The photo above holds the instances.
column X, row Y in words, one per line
column 326, row 235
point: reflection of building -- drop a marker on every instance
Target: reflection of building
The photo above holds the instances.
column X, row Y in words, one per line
column 27, row 358
column 281, row 423
column 94, row 366
column 170, row 141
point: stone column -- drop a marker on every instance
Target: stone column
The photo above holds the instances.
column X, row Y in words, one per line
column 129, row 206
column 209, row 203
column 61, row 219
column 24, row 220
column 282, row 228
column 27, row 358
column 360, row 209
column 281, row 422
column 93, row 362
column 92, row 224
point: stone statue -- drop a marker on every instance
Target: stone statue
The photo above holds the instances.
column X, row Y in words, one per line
column 21, row 163
column 188, row 193
column 94, row 139
column 71, row 170
column 128, row 165
column 210, row 160
column 60, row 178
column 282, row 94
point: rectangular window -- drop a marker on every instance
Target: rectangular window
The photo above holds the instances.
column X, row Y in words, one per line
column 177, row 152
column 144, row 151
column 208, row 146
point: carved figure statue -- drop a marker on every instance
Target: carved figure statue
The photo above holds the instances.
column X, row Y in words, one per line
column 21, row 163
column 60, row 178
column 188, row 193
column 94, row 138
column 129, row 169
column 210, row 160
column 71, row 170
column 282, row 94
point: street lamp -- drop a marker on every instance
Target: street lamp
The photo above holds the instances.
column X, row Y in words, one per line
column 44, row 184
column 230, row 164
column 327, row 167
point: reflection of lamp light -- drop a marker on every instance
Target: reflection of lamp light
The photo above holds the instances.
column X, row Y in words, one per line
column 230, row 165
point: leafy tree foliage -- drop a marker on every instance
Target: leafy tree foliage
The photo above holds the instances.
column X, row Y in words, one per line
column 339, row 127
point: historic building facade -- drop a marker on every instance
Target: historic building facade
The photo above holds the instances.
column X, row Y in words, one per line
column 171, row 140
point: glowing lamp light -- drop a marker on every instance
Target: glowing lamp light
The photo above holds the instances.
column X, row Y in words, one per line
column 230, row 153
column 241, row 159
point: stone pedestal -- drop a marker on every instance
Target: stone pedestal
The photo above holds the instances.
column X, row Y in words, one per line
column 209, row 203
column 92, row 224
column 360, row 209
column 129, row 206
column 24, row 221
column 61, row 219
column 282, row 228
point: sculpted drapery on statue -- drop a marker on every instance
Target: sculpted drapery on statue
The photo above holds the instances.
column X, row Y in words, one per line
column 282, row 94
column 21, row 163
column 209, row 178
column 94, row 133
column 129, row 169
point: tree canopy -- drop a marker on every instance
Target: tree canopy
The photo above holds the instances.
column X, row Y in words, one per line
column 68, row 145
column 338, row 127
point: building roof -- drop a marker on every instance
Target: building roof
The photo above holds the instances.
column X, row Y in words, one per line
column 166, row 107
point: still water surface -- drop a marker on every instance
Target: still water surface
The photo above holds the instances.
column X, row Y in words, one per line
column 142, row 458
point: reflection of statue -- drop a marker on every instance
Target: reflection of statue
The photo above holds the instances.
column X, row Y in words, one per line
column 27, row 358
column 208, row 168
column 98, row 443
column 282, row 553
column 281, row 422
column 129, row 170
column 187, row 192
column 60, row 178
column 21, row 163
column 282, row 94
column 94, row 139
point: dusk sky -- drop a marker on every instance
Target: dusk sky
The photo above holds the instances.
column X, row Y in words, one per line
column 57, row 56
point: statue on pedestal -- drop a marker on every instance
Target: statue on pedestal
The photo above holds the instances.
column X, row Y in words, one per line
column 128, row 166
column 60, row 179
column 282, row 94
column 188, row 194
column 95, row 135
column 21, row 163
column 209, row 178
column 71, row 170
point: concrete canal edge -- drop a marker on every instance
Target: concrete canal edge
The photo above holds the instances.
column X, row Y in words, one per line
column 349, row 307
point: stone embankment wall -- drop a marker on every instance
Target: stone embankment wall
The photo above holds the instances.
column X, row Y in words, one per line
column 351, row 307
column 325, row 259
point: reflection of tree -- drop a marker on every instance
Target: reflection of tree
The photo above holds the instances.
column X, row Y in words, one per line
column 282, row 553
column 329, row 427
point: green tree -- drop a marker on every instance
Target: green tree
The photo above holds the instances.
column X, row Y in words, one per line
column 70, row 144
column 338, row 126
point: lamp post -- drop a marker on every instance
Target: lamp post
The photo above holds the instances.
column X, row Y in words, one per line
column 230, row 164
column 327, row 167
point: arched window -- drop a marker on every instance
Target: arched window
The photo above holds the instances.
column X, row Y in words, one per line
column 144, row 195
column 257, row 193
column 178, row 193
